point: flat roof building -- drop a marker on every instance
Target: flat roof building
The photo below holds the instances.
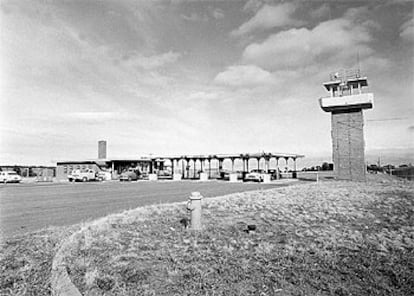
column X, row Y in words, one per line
column 188, row 166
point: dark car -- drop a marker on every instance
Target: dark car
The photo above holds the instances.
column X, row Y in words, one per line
column 130, row 175
column 273, row 174
column 225, row 174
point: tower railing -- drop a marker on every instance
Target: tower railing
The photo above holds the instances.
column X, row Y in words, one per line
column 345, row 74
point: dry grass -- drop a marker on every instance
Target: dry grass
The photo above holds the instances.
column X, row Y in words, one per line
column 26, row 261
column 332, row 238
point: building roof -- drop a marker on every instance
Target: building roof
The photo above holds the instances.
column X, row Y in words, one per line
column 234, row 155
column 102, row 162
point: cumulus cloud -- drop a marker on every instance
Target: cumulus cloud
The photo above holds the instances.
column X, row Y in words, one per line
column 269, row 17
column 407, row 30
column 328, row 42
column 244, row 76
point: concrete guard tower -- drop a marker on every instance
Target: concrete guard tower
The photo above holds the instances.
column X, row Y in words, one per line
column 346, row 102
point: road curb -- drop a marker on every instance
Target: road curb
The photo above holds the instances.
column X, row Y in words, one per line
column 60, row 282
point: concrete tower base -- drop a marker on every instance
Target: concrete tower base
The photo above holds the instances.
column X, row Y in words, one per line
column 348, row 147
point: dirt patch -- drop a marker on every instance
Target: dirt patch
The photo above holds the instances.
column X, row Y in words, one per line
column 332, row 238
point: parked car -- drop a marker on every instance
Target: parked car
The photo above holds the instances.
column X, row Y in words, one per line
column 130, row 175
column 164, row 174
column 10, row 177
column 84, row 176
column 255, row 175
column 225, row 174
column 104, row 176
column 273, row 174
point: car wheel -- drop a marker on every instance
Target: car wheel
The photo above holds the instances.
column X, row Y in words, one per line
column 84, row 179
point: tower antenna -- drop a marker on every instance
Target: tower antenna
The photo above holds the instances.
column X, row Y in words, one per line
column 359, row 66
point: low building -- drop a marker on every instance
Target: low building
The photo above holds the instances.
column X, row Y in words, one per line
column 31, row 170
column 183, row 166
column 114, row 166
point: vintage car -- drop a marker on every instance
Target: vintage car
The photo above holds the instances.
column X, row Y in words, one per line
column 104, row 176
column 83, row 176
column 130, row 175
column 274, row 174
column 255, row 175
column 10, row 177
column 225, row 174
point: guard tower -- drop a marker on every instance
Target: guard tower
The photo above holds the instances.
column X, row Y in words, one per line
column 345, row 103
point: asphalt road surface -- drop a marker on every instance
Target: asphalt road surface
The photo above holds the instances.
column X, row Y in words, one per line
column 29, row 207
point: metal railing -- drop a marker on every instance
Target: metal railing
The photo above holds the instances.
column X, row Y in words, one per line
column 345, row 74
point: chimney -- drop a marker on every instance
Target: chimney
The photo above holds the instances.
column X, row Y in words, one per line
column 101, row 149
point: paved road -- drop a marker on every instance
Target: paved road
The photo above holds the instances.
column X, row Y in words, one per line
column 28, row 207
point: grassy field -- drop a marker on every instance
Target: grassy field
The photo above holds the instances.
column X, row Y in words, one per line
column 26, row 261
column 331, row 238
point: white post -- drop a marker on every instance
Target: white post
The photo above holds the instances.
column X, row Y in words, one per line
column 203, row 176
column 233, row 177
column 194, row 205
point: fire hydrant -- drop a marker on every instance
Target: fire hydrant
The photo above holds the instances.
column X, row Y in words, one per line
column 194, row 206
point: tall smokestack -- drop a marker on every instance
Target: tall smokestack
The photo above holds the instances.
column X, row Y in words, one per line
column 102, row 149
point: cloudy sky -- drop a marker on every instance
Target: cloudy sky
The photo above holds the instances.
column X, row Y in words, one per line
column 175, row 77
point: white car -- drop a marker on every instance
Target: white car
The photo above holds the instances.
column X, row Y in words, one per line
column 10, row 177
column 255, row 175
column 84, row 176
